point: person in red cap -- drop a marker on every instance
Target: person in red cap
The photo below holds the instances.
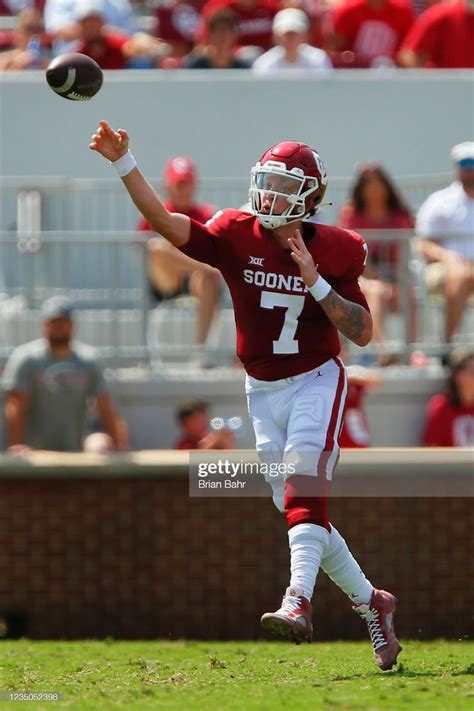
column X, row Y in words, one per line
column 170, row 271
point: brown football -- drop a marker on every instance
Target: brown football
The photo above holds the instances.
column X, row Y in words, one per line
column 74, row 76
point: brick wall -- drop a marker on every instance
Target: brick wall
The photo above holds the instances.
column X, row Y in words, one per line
column 140, row 559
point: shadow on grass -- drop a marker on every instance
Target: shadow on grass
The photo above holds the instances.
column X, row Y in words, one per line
column 402, row 672
column 408, row 673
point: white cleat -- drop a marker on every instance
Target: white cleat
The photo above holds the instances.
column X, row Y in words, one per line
column 293, row 620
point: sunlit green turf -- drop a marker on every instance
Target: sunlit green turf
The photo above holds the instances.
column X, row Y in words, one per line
column 237, row 675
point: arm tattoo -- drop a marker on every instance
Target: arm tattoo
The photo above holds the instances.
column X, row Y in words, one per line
column 350, row 319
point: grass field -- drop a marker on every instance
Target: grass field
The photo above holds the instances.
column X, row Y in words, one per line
column 237, row 676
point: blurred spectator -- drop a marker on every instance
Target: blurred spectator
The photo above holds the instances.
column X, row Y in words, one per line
column 176, row 24
column 48, row 384
column 443, row 36
column 109, row 49
column 196, row 433
column 61, row 19
column 14, row 7
column 355, row 430
column 375, row 204
column 221, row 43
column 143, row 51
column 171, row 272
column 290, row 31
column 96, row 41
column 420, row 6
column 368, row 33
column 30, row 45
column 450, row 416
column 318, row 13
column 255, row 19
column 451, row 261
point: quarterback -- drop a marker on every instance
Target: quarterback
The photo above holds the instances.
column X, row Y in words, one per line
column 294, row 287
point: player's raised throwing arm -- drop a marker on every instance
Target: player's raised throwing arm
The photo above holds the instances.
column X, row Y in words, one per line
column 113, row 145
column 351, row 319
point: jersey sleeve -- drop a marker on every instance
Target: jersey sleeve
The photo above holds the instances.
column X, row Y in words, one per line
column 18, row 372
column 205, row 241
column 347, row 285
column 342, row 22
column 423, row 35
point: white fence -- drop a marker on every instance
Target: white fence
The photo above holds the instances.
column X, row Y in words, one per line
column 76, row 237
column 105, row 275
column 40, row 203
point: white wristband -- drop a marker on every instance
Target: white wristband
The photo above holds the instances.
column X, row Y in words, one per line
column 320, row 288
column 125, row 164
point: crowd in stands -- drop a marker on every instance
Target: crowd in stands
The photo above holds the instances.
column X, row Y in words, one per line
column 444, row 247
column 171, row 272
column 49, row 383
column 265, row 35
column 197, row 431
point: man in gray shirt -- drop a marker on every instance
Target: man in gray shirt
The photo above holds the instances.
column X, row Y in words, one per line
column 48, row 384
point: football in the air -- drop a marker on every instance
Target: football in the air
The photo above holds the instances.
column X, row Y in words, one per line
column 74, row 76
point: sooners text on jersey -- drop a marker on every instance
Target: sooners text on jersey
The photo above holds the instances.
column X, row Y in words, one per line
column 281, row 330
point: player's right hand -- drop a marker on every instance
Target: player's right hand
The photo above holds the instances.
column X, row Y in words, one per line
column 109, row 143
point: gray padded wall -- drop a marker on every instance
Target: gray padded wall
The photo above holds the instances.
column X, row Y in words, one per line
column 225, row 120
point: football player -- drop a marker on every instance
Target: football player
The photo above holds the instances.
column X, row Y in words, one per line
column 294, row 286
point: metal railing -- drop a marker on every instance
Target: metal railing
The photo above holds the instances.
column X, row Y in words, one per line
column 93, row 204
column 105, row 276
column 103, row 273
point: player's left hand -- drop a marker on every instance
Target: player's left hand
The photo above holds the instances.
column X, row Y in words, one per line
column 303, row 258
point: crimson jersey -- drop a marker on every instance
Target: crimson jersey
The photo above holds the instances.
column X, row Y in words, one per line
column 254, row 22
column 371, row 31
column 107, row 52
column 448, row 425
column 186, row 442
column 281, row 330
column 355, row 432
column 444, row 33
column 201, row 212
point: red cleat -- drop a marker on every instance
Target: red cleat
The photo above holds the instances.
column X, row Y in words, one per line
column 293, row 620
column 379, row 617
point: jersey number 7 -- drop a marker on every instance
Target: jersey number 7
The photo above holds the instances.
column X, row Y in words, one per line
column 294, row 306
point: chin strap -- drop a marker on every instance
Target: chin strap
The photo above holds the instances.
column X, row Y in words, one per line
column 316, row 209
column 323, row 204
